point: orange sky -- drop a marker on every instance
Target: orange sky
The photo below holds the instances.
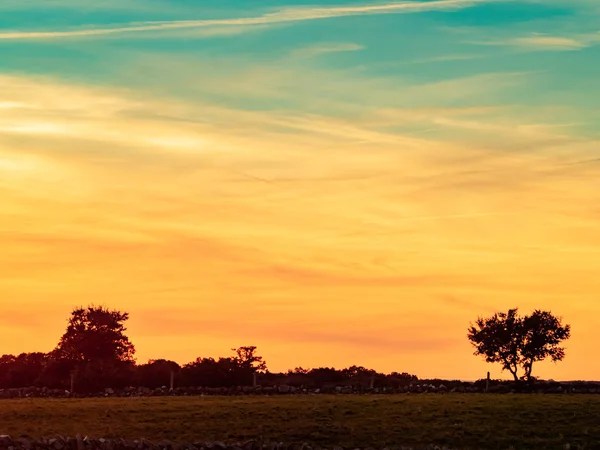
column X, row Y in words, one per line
column 319, row 250
column 252, row 181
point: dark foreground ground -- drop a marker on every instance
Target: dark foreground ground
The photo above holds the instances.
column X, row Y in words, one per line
column 465, row 421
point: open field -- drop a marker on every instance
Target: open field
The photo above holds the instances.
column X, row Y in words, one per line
column 467, row 421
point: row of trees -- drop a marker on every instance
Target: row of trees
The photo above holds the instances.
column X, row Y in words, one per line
column 44, row 370
column 35, row 369
column 95, row 353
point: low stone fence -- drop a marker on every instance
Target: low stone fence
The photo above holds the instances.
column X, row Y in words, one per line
column 413, row 388
column 79, row 443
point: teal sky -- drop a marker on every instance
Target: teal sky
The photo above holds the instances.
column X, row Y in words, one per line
column 541, row 59
column 534, row 53
column 395, row 168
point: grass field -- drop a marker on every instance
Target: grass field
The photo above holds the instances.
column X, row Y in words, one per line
column 466, row 421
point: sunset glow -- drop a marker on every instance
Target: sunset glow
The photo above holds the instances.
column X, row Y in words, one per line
column 342, row 183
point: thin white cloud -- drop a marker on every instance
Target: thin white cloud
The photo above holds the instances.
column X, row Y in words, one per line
column 11, row 105
column 545, row 42
column 550, row 43
column 281, row 16
column 445, row 58
column 321, row 49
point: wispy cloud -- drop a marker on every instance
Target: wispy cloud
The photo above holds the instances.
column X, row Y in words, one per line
column 546, row 42
column 325, row 48
column 281, row 16
column 162, row 202
column 303, row 181
column 445, row 58
column 550, row 43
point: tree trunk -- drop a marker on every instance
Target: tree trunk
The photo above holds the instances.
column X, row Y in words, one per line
column 513, row 369
column 528, row 371
column 514, row 374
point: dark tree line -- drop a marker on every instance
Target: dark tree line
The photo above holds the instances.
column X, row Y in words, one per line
column 37, row 369
column 94, row 353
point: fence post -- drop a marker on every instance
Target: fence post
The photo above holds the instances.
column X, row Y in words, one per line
column 487, row 383
column 72, row 391
column 254, row 379
column 372, row 382
column 172, row 382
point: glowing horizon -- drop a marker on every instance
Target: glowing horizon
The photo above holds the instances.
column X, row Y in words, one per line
column 350, row 183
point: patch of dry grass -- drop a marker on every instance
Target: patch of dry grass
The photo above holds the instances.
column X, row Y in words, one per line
column 466, row 421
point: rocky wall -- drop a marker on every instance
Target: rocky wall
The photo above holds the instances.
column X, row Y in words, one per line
column 86, row 443
column 414, row 388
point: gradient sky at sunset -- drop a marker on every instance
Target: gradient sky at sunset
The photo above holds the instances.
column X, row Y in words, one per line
column 349, row 182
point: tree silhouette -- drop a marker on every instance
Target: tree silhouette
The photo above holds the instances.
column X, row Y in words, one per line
column 95, row 349
column 96, row 336
column 247, row 359
column 518, row 342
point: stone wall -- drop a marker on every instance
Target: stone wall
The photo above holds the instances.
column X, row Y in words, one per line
column 85, row 443
column 413, row 388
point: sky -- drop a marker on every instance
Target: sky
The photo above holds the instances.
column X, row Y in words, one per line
column 350, row 182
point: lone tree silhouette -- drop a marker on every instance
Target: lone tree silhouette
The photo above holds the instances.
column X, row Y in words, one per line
column 518, row 342
column 95, row 335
